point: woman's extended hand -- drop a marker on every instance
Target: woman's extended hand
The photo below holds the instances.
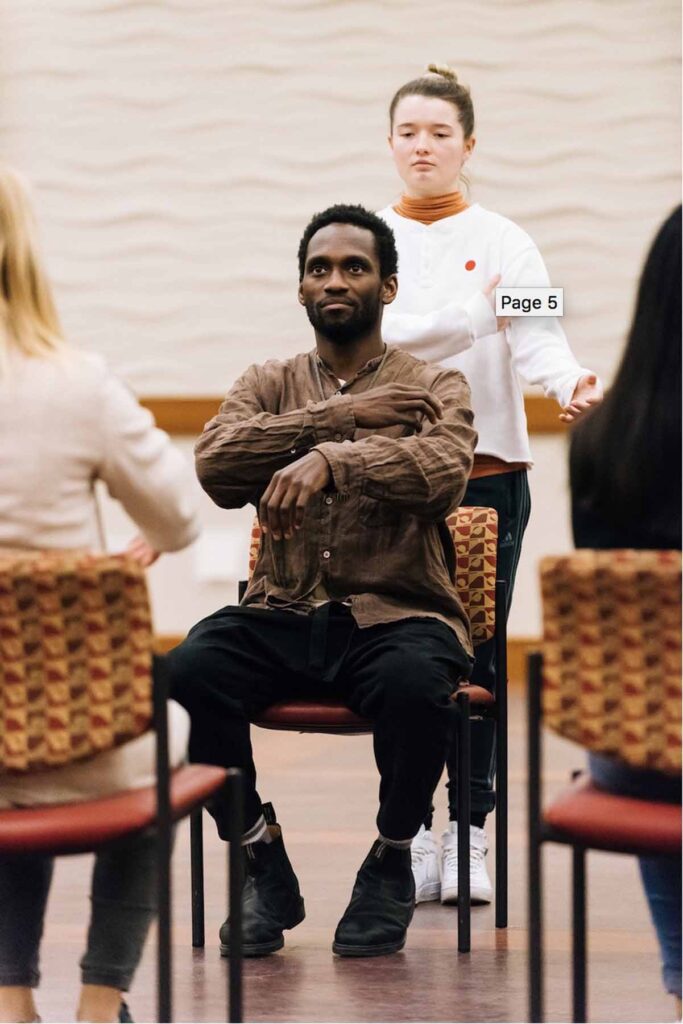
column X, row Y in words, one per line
column 587, row 392
column 142, row 551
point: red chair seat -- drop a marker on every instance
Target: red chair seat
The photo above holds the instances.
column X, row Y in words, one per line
column 313, row 716
column 593, row 818
column 479, row 695
column 334, row 717
column 82, row 827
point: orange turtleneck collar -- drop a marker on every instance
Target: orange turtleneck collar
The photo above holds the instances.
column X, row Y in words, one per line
column 431, row 209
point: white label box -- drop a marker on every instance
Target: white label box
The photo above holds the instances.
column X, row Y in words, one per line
column 529, row 301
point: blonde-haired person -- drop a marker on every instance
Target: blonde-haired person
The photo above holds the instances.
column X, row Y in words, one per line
column 65, row 422
column 452, row 255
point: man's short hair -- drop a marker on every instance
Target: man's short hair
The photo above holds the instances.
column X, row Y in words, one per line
column 343, row 213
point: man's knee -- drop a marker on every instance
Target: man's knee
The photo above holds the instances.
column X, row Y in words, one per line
column 187, row 666
column 416, row 684
column 215, row 663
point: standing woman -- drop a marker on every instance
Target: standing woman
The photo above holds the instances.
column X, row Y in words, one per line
column 452, row 255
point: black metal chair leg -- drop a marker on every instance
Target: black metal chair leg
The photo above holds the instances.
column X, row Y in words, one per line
column 501, row 757
column 235, row 791
column 579, row 934
column 464, row 808
column 197, row 876
column 164, row 1001
column 534, row 879
column 163, row 826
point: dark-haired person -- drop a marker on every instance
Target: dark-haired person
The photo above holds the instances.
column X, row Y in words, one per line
column 353, row 454
column 451, row 257
column 625, row 477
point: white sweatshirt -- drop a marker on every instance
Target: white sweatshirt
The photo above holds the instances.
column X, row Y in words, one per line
column 440, row 312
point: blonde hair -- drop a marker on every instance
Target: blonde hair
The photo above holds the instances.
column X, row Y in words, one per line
column 28, row 318
column 445, row 70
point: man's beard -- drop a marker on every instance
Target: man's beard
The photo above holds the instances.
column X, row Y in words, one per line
column 362, row 319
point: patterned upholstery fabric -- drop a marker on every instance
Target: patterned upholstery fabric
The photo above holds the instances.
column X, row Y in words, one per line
column 475, row 535
column 75, row 657
column 475, row 538
column 612, row 653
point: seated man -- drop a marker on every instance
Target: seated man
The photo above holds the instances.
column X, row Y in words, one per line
column 354, row 454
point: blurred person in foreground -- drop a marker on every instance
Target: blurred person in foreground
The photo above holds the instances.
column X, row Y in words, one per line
column 625, row 475
column 65, row 422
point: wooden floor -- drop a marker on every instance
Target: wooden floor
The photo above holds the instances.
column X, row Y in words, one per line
column 324, row 790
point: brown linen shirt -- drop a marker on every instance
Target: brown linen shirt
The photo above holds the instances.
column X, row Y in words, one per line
column 376, row 537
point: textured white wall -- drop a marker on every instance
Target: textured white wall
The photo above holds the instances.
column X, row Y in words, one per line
column 178, row 147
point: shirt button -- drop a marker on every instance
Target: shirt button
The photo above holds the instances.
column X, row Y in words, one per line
column 327, row 554
column 292, row 451
column 338, row 437
column 329, row 499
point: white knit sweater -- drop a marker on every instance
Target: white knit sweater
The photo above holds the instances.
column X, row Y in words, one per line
column 64, row 424
column 441, row 315
column 67, row 422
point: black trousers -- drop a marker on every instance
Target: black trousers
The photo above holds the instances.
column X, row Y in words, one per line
column 400, row 675
column 508, row 493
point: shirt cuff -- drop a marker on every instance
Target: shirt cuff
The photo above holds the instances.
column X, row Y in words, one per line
column 333, row 419
column 482, row 318
column 337, row 456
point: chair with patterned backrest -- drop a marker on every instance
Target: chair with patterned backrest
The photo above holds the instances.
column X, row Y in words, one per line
column 78, row 677
column 474, row 532
column 608, row 677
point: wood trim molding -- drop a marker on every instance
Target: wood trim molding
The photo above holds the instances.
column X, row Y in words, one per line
column 188, row 415
column 543, row 415
column 182, row 415
column 518, row 649
column 165, row 642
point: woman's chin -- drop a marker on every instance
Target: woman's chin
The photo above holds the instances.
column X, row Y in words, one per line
column 423, row 187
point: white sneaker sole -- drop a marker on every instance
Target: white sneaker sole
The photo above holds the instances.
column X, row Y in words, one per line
column 478, row 897
column 429, row 891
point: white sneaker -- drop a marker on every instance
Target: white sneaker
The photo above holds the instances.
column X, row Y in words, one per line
column 424, row 856
column 481, row 890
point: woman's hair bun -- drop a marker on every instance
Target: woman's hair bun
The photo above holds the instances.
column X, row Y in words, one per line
column 444, row 70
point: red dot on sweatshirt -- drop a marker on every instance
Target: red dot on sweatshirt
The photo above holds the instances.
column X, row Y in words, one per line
column 470, row 265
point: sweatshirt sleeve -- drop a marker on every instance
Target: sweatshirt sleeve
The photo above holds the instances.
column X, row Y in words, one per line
column 144, row 471
column 539, row 347
column 426, row 473
column 248, row 441
column 443, row 333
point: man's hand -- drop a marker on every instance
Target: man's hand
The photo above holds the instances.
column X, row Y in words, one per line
column 587, row 392
column 501, row 321
column 281, row 509
column 392, row 404
column 142, row 551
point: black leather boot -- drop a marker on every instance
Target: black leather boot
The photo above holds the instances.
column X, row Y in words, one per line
column 382, row 904
column 271, row 900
